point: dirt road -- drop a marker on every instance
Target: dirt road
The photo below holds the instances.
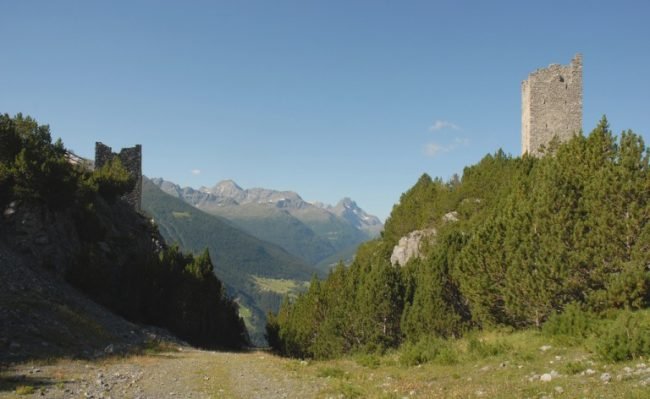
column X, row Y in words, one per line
column 185, row 373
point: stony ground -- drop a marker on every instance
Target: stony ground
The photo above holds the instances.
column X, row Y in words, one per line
column 182, row 373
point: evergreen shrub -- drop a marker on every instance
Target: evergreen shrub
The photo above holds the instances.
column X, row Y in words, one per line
column 627, row 337
column 573, row 322
column 481, row 349
column 426, row 350
column 113, row 180
column 368, row 360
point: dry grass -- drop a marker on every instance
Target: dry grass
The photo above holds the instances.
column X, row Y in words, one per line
column 25, row 390
column 513, row 373
column 501, row 365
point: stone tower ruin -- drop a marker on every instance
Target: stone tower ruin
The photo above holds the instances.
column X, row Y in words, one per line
column 551, row 105
column 131, row 158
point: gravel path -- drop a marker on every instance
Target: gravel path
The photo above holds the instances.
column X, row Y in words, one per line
column 187, row 373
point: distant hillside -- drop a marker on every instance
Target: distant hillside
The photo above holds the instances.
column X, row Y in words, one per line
column 313, row 232
column 345, row 255
column 237, row 256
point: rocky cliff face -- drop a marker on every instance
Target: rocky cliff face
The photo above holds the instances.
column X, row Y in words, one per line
column 409, row 246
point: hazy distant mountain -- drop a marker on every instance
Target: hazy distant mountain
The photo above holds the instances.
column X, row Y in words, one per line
column 312, row 231
column 238, row 256
column 350, row 211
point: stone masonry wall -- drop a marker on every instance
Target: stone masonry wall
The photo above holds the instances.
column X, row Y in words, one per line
column 131, row 158
column 551, row 105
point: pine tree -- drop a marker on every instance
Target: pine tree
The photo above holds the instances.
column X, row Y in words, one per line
column 481, row 272
column 436, row 307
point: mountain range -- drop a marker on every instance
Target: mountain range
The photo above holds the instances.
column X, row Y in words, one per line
column 320, row 234
column 265, row 244
column 241, row 260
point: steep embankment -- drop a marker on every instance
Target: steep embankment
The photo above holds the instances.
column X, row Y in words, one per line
column 41, row 315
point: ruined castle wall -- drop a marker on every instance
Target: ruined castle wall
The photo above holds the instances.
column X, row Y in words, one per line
column 551, row 105
column 131, row 158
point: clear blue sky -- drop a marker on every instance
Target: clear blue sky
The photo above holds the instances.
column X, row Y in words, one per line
column 326, row 98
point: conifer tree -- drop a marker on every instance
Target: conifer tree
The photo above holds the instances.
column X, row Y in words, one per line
column 436, row 307
column 533, row 235
column 379, row 302
column 481, row 273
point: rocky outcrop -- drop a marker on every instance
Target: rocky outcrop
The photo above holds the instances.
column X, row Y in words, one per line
column 409, row 246
column 450, row 217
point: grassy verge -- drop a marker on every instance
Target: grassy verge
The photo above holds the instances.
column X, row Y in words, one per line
column 523, row 364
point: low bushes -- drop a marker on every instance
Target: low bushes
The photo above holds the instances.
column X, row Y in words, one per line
column 626, row 337
column 615, row 336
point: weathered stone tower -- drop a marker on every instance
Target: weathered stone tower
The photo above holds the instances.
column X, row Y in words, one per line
column 551, row 105
column 131, row 158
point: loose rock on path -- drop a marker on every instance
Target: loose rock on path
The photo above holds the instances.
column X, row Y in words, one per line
column 187, row 373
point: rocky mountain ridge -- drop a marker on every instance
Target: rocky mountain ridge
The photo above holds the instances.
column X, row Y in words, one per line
column 312, row 231
column 350, row 211
column 229, row 193
column 238, row 257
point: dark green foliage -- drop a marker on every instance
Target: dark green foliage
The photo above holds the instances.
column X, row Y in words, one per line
column 627, row 337
column 435, row 305
column 417, row 208
column 6, row 184
column 379, row 303
column 535, row 237
column 428, row 349
column 479, row 349
column 369, row 360
column 481, row 272
column 237, row 255
column 573, row 368
column 272, row 332
column 32, row 167
column 117, row 267
column 333, row 318
column 572, row 322
column 112, row 180
column 172, row 290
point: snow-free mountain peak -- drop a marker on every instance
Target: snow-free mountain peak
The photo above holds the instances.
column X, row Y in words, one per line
column 312, row 231
column 350, row 211
column 228, row 189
